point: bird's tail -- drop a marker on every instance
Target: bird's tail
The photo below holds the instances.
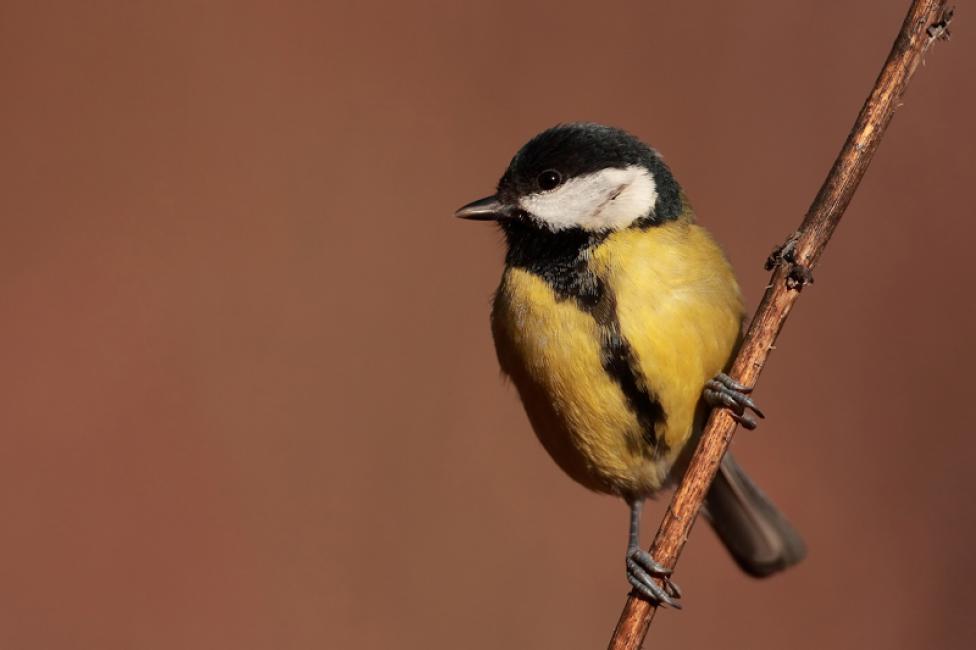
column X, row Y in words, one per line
column 757, row 535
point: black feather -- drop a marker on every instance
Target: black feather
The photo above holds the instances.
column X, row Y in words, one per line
column 583, row 148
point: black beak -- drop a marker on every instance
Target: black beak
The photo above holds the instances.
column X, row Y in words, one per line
column 486, row 209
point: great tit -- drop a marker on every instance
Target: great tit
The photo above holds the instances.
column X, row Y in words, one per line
column 615, row 319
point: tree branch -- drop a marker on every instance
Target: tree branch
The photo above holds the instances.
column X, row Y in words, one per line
column 927, row 21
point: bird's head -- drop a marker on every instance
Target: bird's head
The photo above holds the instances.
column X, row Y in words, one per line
column 584, row 177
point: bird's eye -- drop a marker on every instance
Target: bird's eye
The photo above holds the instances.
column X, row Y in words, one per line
column 549, row 179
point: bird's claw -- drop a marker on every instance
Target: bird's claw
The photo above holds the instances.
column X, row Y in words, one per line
column 642, row 570
column 723, row 391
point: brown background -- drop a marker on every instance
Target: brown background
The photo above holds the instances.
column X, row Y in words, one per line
column 248, row 396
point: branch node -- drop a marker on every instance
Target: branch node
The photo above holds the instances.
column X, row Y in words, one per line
column 798, row 275
column 940, row 28
column 779, row 251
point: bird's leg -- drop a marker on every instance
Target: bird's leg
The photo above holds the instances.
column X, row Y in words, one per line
column 723, row 391
column 642, row 568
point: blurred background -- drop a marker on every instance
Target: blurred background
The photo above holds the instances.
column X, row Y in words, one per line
column 248, row 395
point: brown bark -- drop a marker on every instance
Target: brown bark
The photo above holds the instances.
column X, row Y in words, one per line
column 927, row 20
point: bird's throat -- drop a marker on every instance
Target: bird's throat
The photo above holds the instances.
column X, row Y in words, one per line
column 560, row 258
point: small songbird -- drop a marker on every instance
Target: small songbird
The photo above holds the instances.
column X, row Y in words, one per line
column 615, row 319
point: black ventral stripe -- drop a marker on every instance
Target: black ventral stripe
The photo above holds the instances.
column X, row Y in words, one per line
column 561, row 259
column 620, row 363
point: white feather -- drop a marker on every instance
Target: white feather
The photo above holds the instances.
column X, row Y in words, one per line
column 609, row 199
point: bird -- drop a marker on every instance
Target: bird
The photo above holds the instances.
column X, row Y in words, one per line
column 616, row 319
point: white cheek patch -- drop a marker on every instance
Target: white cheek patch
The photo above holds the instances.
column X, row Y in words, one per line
column 609, row 199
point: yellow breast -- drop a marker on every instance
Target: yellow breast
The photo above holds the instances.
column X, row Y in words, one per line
column 678, row 309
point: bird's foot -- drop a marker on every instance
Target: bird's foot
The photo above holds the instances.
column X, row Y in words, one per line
column 641, row 571
column 723, row 391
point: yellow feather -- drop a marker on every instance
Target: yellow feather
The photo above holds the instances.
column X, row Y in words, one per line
column 679, row 308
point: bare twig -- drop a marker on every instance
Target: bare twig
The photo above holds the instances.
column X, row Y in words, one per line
column 927, row 21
